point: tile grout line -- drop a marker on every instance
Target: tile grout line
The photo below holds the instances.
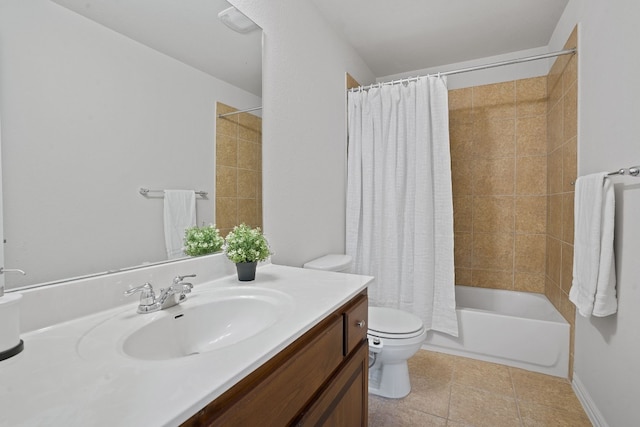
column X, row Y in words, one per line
column 515, row 397
column 473, row 201
column 515, row 181
column 453, row 372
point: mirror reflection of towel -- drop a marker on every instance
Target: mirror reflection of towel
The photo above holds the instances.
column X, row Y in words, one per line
column 179, row 214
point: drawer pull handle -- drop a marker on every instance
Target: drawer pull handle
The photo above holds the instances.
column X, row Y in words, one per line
column 360, row 323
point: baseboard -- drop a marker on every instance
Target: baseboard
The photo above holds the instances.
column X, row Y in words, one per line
column 588, row 404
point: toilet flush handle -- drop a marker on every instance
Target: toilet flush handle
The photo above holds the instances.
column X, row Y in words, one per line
column 361, row 323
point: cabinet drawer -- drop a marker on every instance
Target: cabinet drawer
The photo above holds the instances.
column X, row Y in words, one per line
column 355, row 323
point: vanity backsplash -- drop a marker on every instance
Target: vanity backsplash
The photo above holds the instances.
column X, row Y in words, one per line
column 48, row 305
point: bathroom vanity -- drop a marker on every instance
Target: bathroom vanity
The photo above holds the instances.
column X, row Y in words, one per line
column 320, row 379
column 304, row 364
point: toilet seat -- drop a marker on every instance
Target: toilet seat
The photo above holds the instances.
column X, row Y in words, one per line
column 375, row 334
column 387, row 322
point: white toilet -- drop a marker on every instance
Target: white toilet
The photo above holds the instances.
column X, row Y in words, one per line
column 394, row 336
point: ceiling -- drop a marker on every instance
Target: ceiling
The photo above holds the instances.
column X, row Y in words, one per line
column 399, row 36
column 187, row 30
column 392, row 37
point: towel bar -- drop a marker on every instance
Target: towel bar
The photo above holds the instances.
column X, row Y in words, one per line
column 146, row 191
column 632, row 171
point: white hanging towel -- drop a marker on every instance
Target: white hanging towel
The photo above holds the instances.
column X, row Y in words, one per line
column 593, row 289
column 179, row 214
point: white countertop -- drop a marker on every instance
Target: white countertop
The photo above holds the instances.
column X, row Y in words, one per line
column 56, row 381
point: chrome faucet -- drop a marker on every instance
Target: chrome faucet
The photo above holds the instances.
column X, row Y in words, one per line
column 8, row 270
column 176, row 292
column 173, row 295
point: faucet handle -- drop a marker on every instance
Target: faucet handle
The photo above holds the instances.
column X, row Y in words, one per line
column 147, row 296
column 179, row 279
column 186, row 287
column 148, row 302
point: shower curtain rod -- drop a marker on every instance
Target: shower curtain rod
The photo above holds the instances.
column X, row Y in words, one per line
column 476, row 68
column 239, row 111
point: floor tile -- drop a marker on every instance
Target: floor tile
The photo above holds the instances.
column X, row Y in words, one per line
column 384, row 413
column 429, row 396
column 544, row 390
column 452, row 391
column 534, row 415
column 458, row 424
column 483, row 375
column 481, row 408
column 433, row 365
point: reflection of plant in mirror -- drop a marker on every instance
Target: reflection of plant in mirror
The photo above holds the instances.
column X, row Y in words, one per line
column 202, row 240
column 246, row 244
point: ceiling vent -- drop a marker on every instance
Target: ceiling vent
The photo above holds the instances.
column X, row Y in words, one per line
column 236, row 20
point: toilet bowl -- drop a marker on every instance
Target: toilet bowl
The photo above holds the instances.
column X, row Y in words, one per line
column 394, row 336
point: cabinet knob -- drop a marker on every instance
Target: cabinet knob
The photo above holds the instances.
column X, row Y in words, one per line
column 361, row 323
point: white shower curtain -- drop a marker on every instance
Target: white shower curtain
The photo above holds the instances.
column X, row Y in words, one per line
column 399, row 201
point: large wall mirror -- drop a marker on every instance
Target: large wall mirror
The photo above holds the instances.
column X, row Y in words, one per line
column 97, row 100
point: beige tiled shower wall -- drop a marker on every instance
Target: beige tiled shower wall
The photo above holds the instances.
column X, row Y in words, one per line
column 562, row 126
column 514, row 162
column 238, row 169
column 499, row 170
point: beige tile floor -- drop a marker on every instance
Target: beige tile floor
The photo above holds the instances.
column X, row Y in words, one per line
column 452, row 391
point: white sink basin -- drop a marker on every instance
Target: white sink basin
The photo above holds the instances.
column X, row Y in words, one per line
column 207, row 321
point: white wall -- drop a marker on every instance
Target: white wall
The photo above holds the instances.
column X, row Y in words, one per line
column 607, row 350
column 304, row 128
column 88, row 116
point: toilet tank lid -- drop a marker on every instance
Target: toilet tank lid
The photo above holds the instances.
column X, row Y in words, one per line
column 331, row 262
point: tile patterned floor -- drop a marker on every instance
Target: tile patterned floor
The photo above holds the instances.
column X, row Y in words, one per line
column 452, row 391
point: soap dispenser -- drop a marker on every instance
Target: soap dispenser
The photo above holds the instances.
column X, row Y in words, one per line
column 10, row 342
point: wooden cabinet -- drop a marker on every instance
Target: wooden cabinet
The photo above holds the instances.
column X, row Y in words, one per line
column 320, row 379
column 344, row 401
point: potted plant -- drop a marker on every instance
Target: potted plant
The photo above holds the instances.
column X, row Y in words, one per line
column 202, row 240
column 245, row 246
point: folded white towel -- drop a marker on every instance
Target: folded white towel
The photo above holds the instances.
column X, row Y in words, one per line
column 593, row 289
column 179, row 214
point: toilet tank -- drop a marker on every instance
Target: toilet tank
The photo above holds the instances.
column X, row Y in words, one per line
column 331, row 262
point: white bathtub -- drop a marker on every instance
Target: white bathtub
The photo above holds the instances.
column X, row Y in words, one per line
column 518, row 329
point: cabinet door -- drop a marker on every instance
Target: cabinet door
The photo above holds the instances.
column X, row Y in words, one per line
column 276, row 393
column 344, row 402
